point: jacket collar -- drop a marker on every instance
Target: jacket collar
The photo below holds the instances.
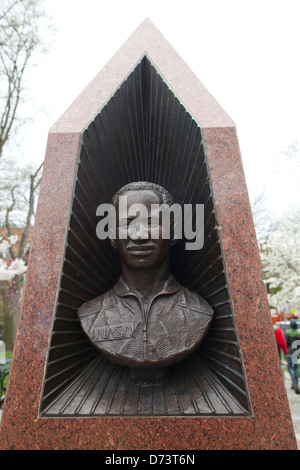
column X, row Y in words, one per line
column 171, row 286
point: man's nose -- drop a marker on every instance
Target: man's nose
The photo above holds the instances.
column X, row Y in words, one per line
column 139, row 231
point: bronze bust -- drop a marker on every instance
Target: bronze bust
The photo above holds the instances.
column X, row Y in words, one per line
column 148, row 321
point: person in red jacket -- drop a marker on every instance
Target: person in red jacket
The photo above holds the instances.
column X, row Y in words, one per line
column 292, row 338
column 281, row 343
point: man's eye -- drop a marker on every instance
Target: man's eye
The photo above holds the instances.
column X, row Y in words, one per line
column 125, row 223
column 124, row 227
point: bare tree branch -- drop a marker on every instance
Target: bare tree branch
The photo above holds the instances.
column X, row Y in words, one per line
column 8, row 8
column 9, row 209
column 264, row 224
column 33, row 186
column 19, row 37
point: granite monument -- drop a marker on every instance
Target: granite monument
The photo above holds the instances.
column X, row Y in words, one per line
column 145, row 117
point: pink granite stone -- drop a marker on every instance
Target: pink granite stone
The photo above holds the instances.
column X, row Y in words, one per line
column 270, row 425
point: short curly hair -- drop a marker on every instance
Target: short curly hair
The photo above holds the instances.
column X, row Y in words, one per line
column 144, row 185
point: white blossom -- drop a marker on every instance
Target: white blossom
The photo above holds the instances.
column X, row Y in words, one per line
column 17, row 267
column 8, row 272
column 4, row 245
column 280, row 256
column 13, row 239
column 5, row 274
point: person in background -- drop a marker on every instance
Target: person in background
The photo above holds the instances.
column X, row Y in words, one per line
column 292, row 338
column 281, row 343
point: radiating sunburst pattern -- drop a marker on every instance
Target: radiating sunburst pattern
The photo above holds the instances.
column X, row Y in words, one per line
column 144, row 133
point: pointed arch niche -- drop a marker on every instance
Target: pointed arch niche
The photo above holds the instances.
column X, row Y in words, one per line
column 144, row 133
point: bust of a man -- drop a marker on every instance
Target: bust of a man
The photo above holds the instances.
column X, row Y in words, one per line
column 147, row 321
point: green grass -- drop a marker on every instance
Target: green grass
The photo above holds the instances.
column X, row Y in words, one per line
column 8, row 356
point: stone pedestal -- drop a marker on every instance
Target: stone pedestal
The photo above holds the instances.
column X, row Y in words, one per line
column 145, row 116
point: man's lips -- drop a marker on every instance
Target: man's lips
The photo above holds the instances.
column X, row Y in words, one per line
column 141, row 249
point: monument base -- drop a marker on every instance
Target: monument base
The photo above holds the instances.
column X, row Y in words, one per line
column 106, row 389
column 148, row 376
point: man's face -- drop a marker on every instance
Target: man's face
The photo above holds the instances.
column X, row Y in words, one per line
column 136, row 222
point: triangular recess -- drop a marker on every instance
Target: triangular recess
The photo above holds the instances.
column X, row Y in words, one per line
column 143, row 133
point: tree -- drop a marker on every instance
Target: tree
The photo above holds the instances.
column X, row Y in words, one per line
column 20, row 25
column 279, row 235
column 18, row 193
column 9, row 289
column 19, row 38
column 264, row 224
column 292, row 154
column 280, row 255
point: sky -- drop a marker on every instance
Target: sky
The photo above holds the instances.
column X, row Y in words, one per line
column 246, row 53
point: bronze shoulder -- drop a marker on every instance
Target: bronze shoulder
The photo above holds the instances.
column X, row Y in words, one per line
column 194, row 301
column 95, row 305
column 90, row 307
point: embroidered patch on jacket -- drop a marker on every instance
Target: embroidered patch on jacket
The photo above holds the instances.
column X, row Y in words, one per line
column 112, row 332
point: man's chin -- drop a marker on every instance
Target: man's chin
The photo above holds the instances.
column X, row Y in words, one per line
column 141, row 265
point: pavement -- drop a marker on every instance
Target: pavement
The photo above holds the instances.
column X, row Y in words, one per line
column 294, row 402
